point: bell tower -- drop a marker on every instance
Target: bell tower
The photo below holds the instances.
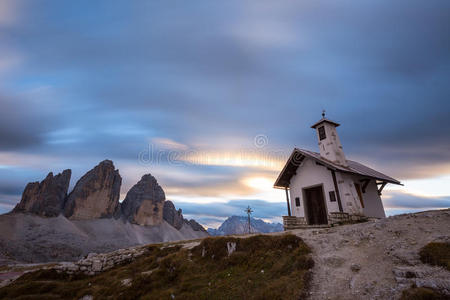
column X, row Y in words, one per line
column 329, row 143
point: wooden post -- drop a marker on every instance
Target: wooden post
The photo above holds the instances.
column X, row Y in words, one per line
column 336, row 187
column 287, row 200
column 381, row 187
column 365, row 184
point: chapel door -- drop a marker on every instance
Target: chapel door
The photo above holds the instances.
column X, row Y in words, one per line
column 315, row 205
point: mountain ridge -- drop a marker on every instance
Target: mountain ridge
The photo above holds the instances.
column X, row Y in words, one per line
column 239, row 225
column 96, row 196
column 50, row 223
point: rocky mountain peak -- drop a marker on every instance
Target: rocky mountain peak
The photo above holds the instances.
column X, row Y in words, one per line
column 106, row 163
column 144, row 202
column 195, row 225
column 173, row 216
column 96, row 194
column 47, row 197
column 239, row 225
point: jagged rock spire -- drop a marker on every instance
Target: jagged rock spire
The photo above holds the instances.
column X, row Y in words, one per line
column 47, row 197
column 96, row 194
column 144, row 202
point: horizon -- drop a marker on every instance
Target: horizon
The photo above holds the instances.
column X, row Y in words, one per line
column 212, row 98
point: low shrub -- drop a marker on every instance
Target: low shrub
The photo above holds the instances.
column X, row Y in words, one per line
column 437, row 254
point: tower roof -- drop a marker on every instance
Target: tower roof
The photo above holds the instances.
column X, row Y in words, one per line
column 325, row 120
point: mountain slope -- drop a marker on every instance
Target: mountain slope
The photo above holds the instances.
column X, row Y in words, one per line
column 239, row 225
column 30, row 238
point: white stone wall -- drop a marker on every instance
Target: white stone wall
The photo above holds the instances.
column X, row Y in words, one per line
column 95, row 263
column 373, row 206
column 349, row 196
column 308, row 175
column 331, row 147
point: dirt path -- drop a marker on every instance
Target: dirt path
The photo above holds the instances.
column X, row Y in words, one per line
column 376, row 260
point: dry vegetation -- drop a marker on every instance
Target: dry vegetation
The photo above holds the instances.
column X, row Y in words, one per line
column 437, row 254
column 421, row 293
column 261, row 267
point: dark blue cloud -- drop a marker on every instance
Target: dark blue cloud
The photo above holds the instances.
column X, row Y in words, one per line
column 99, row 80
column 407, row 201
column 155, row 68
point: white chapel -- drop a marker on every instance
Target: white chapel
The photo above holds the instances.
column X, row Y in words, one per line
column 326, row 188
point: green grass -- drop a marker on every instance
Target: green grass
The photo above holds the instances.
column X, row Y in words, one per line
column 421, row 293
column 262, row 267
column 437, row 254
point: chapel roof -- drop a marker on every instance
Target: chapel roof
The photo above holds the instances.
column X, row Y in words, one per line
column 298, row 155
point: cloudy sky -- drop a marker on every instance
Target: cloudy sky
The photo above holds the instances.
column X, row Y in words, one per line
column 211, row 96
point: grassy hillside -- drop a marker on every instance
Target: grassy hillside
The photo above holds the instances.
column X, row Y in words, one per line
column 261, row 267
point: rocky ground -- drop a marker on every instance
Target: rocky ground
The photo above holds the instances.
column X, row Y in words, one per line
column 372, row 260
column 377, row 259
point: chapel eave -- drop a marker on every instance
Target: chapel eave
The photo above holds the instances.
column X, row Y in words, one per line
column 298, row 155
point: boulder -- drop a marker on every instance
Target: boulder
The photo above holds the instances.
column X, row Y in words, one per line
column 46, row 198
column 172, row 216
column 144, row 202
column 96, row 194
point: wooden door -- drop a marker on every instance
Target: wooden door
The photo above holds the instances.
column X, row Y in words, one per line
column 315, row 206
